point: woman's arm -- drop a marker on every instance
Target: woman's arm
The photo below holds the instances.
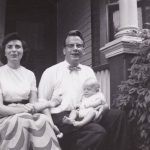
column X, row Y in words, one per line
column 41, row 105
column 10, row 110
column 33, row 97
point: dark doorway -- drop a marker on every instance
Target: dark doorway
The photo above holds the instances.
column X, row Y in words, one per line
column 36, row 22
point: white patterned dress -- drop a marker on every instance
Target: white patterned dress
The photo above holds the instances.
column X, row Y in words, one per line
column 23, row 131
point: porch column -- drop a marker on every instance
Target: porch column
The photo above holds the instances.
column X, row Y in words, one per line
column 128, row 17
column 120, row 51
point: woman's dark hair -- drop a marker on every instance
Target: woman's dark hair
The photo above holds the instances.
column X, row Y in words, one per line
column 74, row 33
column 9, row 37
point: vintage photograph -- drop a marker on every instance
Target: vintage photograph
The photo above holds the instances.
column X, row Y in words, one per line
column 74, row 74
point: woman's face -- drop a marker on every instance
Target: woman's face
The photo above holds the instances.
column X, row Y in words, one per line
column 14, row 50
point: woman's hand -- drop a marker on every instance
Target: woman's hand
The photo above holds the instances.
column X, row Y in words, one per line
column 15, row 109
column 19, row 108
column 28, row 108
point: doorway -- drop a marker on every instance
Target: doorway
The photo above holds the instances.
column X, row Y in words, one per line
column 36, row 22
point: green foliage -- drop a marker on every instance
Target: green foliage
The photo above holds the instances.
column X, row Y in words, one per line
column 134, row 94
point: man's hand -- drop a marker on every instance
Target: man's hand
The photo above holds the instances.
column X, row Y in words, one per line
column 57, row 131
column 56, row 101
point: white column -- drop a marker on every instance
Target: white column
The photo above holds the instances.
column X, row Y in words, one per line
column 128, row 17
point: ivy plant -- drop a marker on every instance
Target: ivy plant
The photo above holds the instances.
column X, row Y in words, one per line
column 134, row 94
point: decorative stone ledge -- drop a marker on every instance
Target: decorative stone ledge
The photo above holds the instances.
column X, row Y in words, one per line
column 124, row 44
column 126, row 31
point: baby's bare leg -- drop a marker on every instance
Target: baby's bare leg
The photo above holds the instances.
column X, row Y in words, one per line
column 73, row 114
column 87, row 118
column 71, row 118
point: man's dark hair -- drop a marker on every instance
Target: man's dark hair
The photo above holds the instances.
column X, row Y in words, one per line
column 74, row 33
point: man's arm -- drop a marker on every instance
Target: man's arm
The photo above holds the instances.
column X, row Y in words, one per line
column 45, row 92
column 46, row 86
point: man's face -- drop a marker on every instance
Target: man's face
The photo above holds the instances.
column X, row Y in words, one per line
column 73, row 50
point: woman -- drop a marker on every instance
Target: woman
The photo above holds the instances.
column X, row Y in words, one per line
column 20, row 127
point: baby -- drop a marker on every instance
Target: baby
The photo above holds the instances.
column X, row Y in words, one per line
column 90, row 108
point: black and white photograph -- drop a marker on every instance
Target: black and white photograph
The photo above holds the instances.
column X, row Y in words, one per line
column 74, row 74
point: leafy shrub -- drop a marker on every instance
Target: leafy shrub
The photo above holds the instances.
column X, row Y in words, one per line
column 134, row 94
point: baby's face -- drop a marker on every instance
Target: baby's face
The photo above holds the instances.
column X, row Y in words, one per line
column 88, row 91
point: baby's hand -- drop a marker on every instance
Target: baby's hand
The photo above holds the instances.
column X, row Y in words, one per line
column 78, row 106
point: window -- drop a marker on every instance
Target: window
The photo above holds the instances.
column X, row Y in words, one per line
column 113, row 16
column 144, row 13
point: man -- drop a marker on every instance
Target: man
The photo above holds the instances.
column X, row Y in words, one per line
column 66, row 79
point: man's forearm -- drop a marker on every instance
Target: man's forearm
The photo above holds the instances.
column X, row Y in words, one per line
column 48, row 114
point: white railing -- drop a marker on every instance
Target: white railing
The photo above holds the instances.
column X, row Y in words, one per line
column 103, row 77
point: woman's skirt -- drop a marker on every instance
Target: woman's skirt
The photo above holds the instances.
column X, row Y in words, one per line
column 25, row 131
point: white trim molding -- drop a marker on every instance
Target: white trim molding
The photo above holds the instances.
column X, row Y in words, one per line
column 124, row 44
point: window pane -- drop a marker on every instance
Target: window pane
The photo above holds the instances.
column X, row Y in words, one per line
column 116, row 21
column 144, row 13
column 140, row 22
column 147, row 17
column 113, row 21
